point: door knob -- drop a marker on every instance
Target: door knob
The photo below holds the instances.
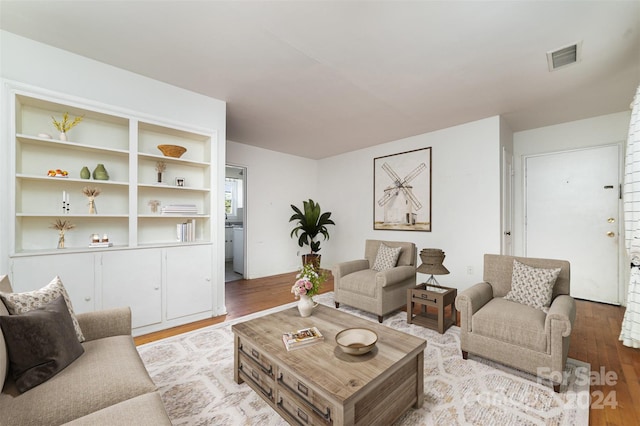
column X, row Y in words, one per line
column 611, row 234
column 611, row 220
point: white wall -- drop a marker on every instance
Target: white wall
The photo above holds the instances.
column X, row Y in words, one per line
column 602, row 130
column 47, row 67
column 274, row 182
column 465, row 213
column 465, row 201
column 42, row 66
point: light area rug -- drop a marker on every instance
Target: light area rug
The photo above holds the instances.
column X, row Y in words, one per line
column 194, row 373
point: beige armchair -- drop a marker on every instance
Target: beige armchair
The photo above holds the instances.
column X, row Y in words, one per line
column 376, row 291
column 513, row 333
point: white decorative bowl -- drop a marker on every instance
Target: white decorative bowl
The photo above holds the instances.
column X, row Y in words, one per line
column 356, row 341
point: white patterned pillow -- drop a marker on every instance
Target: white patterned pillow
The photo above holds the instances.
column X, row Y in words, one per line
column 386, row 258
column 532, row 286
column 19, row 303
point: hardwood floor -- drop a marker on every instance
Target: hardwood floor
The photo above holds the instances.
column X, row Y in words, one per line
column 615, row 369
column 243, row 297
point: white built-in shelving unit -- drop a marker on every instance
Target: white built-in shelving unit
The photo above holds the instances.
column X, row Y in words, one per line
column 166, row 282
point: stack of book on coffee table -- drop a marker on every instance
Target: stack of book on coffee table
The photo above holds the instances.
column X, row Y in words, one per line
column 302, row 338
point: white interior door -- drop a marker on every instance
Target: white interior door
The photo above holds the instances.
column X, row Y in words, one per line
column 572, row 213
column 507, row 200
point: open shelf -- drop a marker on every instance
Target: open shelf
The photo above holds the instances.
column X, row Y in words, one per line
column 127, row 146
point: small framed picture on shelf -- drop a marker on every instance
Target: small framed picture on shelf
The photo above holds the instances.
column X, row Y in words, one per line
column 179, row 181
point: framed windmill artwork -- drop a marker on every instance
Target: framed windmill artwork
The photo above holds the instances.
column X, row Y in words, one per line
column 402, row 191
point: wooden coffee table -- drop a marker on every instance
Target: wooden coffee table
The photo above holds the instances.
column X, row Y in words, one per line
column 320, row 384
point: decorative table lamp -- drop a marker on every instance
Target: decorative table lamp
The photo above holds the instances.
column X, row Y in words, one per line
column 432, row 264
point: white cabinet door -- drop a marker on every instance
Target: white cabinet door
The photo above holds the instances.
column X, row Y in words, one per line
column 133, row 278
column 189, row 289
column 75, row 270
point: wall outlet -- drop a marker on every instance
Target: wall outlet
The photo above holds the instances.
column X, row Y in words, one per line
column 469, row 270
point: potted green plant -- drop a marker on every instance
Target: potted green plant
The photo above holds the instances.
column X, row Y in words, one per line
column 311, row 222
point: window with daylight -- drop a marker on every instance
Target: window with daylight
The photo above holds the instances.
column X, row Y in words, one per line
column 233, row 196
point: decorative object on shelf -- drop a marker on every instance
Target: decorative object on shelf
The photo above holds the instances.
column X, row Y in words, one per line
column 175, row 151
column 65, row 124
column 85, row 173
column 62, row 226
column 160, row 168
column 58, row 173
column 91, row 194
column 307, row 285
column 154, row 204
column 309, row 224
column 96, row 242
column 100, row 173
column 44, row 135
column 179, row 181
column 432, row 264
column 65, row 202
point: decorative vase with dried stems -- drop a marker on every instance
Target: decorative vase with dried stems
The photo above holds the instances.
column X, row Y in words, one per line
column 62, row 226
column 160, row 168
column 65, row 124
column 91, row 194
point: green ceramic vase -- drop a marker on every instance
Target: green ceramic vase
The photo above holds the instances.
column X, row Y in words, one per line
column 100, row 173
column 85, row 173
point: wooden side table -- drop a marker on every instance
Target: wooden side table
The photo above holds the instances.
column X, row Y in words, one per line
column 435, row 296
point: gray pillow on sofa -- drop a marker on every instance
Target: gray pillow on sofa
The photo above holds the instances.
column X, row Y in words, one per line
column 41, row 343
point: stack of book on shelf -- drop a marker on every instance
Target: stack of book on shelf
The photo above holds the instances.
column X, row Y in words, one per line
column 101, row 244
column 183, row 209
column 302, row 338
column 186, row 231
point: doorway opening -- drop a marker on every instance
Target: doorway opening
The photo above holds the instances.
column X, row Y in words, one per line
column 235, row 221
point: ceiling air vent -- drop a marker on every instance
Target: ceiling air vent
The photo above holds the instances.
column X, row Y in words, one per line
column 564, row 56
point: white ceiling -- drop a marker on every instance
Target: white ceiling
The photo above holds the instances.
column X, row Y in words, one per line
column 320, row 78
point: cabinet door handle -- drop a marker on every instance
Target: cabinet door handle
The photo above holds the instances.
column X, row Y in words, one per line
column 256, row 355
column 303, row 389
column 255, row 378
column 325, row 416
column 301, row 414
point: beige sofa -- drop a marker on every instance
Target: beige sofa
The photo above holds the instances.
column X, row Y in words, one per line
column 378, row 292
column 107, row 385
column 514, row 334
